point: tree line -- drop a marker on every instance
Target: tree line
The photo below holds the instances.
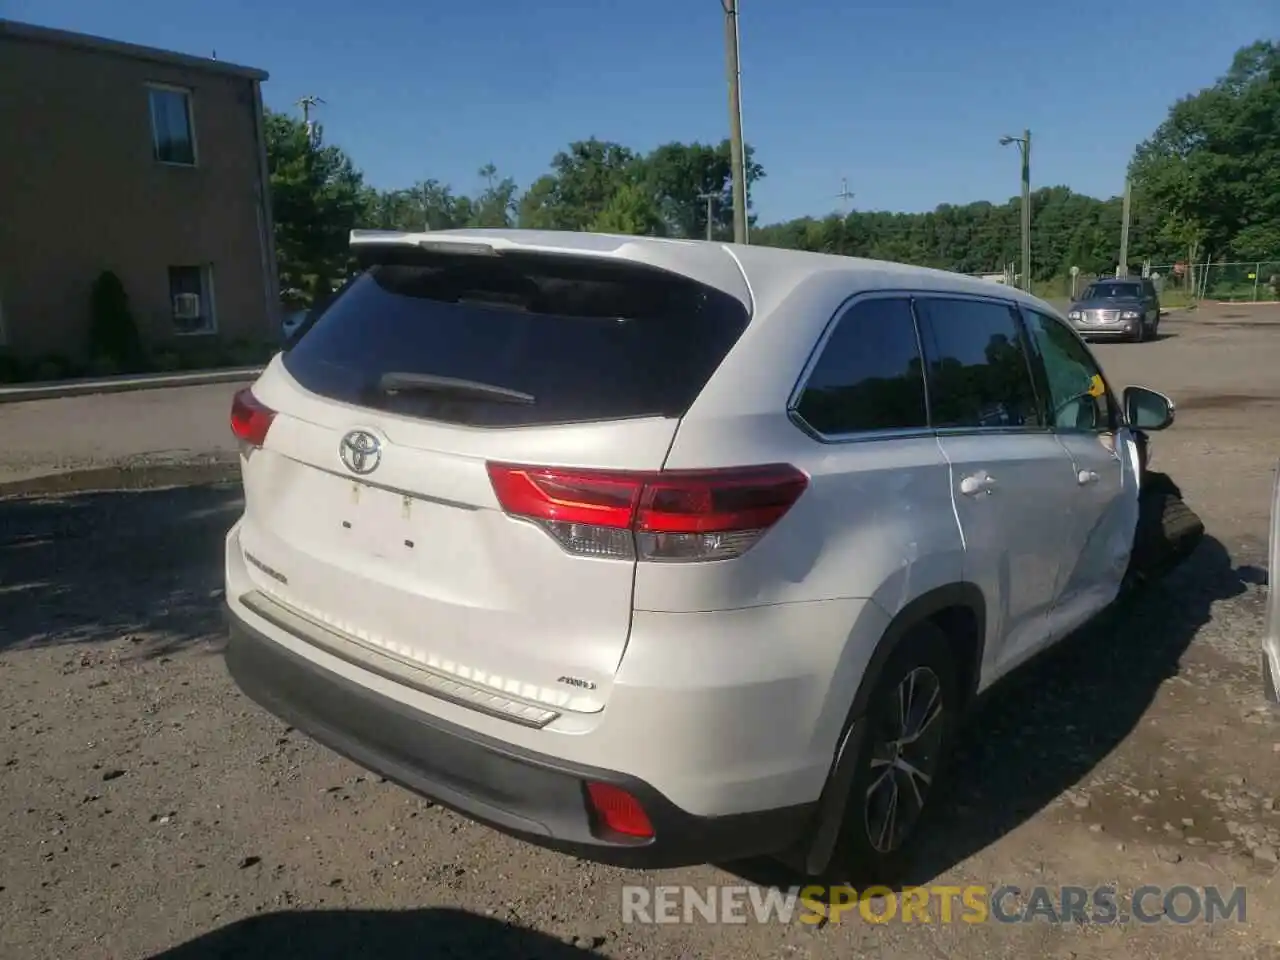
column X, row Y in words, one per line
column 1205, row 184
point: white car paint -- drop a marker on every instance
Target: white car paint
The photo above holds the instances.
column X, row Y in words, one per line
column 723, row 684
column 1271, row 638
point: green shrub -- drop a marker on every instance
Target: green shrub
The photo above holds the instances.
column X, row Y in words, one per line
column 13, row 370
column 104, row 366
column 54, row 366
column 166, row 361
column 112, row 331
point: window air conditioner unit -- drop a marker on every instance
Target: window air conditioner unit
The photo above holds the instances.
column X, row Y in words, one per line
column 186, row 306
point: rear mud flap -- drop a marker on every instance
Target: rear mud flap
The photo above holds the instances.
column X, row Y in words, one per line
column 1168, row 530
column 1271, row 628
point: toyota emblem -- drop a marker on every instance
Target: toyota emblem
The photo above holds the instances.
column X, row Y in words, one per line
column 361, row 451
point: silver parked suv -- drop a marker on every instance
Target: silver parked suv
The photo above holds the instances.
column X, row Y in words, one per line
column 665, row 551
column 1120, row 309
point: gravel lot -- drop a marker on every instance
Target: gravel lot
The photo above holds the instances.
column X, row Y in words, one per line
column 147, row 810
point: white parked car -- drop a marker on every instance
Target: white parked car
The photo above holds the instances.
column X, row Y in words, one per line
column 664, row 551
column 1271, row 640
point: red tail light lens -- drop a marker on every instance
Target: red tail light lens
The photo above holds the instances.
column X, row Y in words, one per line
column 671, row 516
column 618, row 811
column 250, row 418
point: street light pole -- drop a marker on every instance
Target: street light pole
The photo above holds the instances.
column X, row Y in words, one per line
column 710, row 198
column 737, row 158
column 1122, row 269
column 1024, row 148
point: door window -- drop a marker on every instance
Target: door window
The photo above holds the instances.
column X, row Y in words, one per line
column 869, row 376
column 1077, row 394
column 978, row 373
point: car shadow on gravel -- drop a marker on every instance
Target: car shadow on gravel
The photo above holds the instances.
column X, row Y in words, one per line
column 97, row 566
column 376, row 935
column 1045, row 728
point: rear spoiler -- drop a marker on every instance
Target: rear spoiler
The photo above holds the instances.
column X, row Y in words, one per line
column 707, row 264
column 371, row 246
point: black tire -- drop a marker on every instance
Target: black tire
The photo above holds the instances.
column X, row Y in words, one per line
column 1167, row 533
column 923, row 657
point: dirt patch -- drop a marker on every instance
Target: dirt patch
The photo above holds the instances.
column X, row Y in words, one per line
column 1223, row 401
column 148, row 477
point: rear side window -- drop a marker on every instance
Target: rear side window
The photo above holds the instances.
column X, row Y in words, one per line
column 977, row 363
column 869, row 375
column 518, row 340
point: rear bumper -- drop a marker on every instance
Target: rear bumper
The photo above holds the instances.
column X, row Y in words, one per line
column 537, row 798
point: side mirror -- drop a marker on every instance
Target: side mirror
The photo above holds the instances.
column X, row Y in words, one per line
column 1146, row 409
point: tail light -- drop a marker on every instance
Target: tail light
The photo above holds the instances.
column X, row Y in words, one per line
column 661, row 516
column 250, row 419
column 618, row 811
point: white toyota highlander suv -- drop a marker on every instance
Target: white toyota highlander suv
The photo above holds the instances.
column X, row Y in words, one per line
column 664, row 552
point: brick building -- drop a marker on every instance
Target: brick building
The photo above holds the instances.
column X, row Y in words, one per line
column 148, row 163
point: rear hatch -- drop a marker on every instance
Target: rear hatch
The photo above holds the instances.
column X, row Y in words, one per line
column 371, row 503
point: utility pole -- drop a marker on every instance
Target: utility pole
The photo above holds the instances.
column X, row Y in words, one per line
column 1123, row 269
column 1024, row 148
column 308, row 103
column 710, row 198
column 737, row 150
column 844, row 196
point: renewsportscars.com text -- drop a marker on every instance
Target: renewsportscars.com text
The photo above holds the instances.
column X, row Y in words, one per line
column 816, row 904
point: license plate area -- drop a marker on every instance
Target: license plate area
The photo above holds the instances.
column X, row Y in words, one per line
column 379, row 523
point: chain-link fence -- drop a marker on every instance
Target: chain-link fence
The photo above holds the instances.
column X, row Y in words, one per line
column 1237, row 282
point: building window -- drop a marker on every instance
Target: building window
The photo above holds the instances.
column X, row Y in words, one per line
column 173, row 136
column 191, row 296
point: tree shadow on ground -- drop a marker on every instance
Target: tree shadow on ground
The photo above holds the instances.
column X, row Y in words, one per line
column 1047, row 726
column 376, row 935
column 97, row 566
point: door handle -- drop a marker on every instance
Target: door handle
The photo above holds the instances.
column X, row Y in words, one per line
column 977, row 483
column 1086, row 477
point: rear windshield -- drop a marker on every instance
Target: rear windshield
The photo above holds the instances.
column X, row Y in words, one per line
column 1112, row 291
column 574, row 340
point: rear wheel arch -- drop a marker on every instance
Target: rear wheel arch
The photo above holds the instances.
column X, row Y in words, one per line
column 959, row 610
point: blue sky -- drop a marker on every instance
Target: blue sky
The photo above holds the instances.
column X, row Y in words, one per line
column 906, row 99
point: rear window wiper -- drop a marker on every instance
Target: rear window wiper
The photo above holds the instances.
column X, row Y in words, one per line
column 408, row 382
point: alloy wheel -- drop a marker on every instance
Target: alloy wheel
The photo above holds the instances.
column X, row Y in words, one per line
column 906, row 737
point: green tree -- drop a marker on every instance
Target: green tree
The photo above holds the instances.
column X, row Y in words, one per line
column 1212, row 168
column 583, row 180
column 496, row 204
column 631, row 210
column 316, row 199
column 681, row 174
